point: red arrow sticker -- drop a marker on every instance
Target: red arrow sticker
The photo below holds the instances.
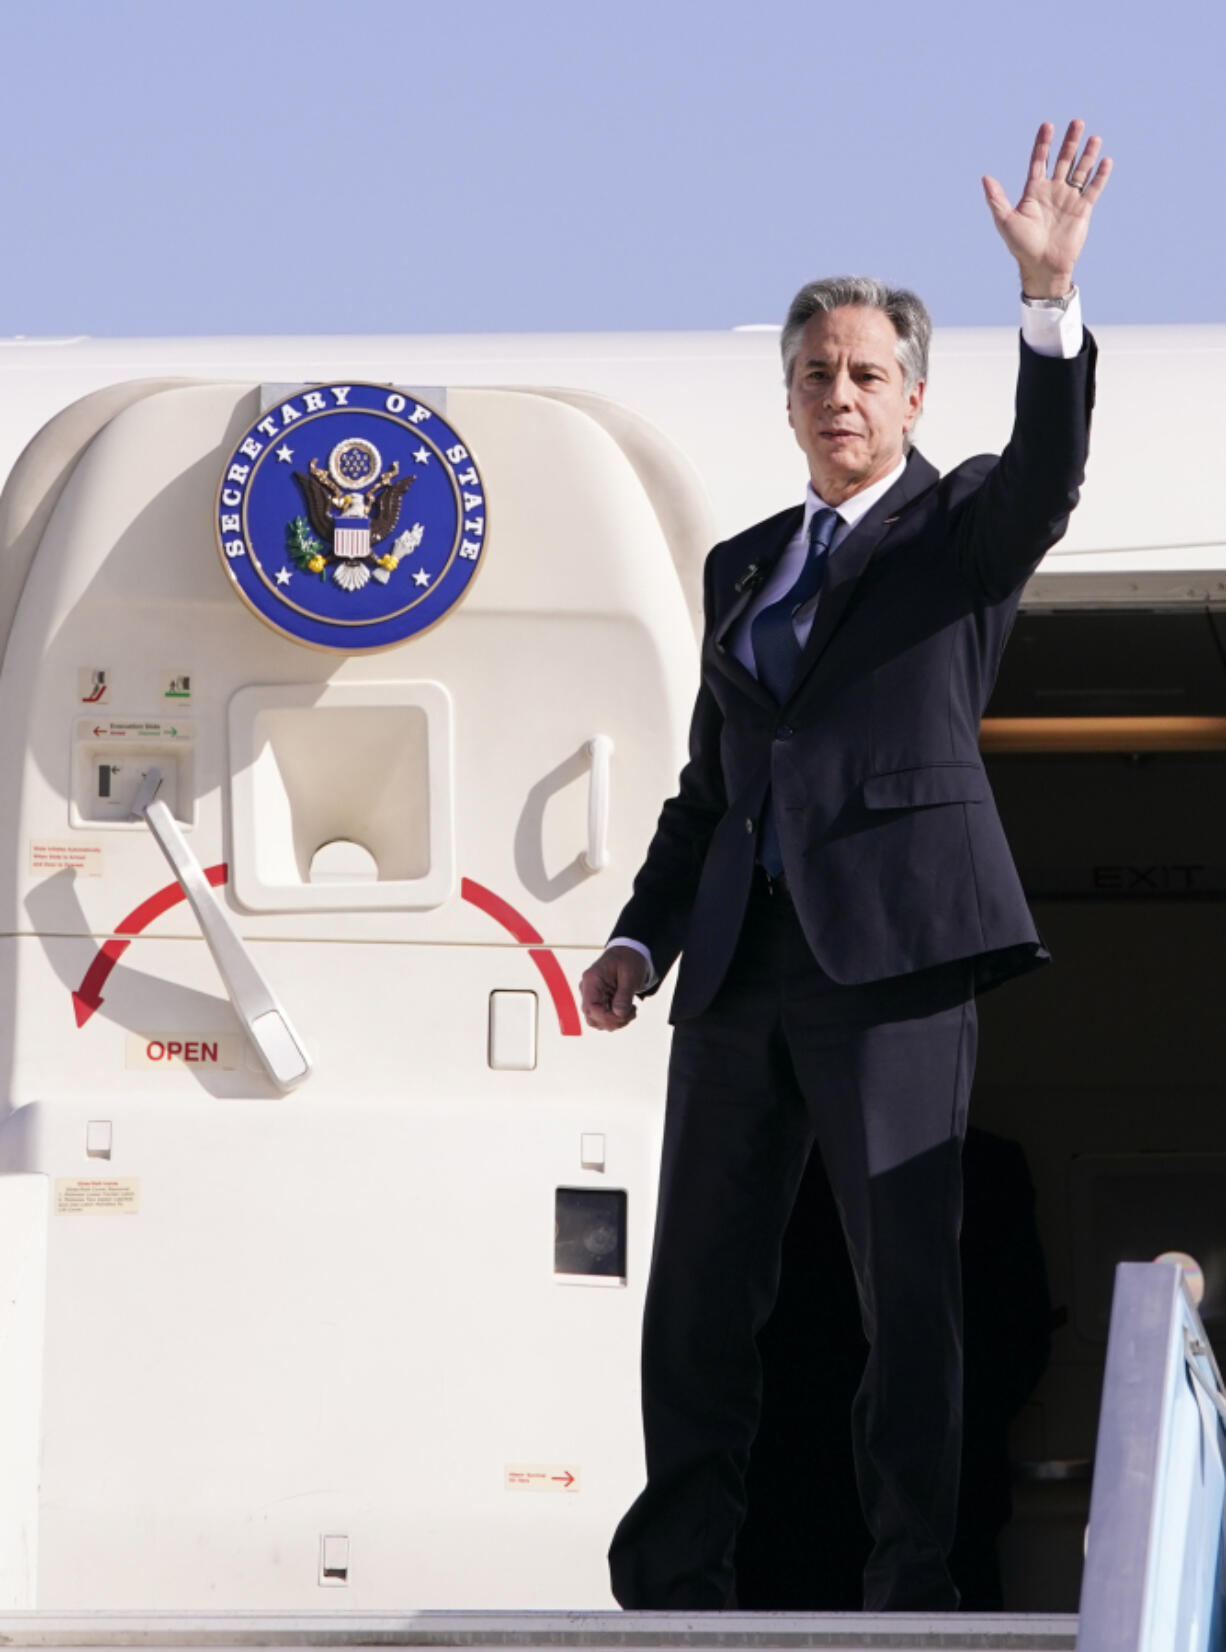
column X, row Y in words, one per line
column 541, row 1477
column 88, row 996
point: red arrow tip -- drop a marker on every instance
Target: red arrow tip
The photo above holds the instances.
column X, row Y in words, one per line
column 83, row 1007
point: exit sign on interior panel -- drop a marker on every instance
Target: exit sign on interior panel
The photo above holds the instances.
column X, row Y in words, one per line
column 1110, row 880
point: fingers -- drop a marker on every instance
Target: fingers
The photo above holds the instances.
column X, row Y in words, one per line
column 1080, row 171
column 607, row 989
column 1038, row 155
column 1084, row 177
column 1098, row 183
column 1086, row 173
column 1068, row 150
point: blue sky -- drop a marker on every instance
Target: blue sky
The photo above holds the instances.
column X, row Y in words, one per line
column 207, row 166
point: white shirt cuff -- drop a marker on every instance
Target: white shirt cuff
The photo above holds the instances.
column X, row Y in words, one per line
column 1051, row 331
column 637, row 946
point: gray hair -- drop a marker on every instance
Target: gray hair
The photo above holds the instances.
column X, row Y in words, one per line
column 908, row 314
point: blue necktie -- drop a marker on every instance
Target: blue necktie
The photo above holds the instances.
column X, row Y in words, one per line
column 776, row 651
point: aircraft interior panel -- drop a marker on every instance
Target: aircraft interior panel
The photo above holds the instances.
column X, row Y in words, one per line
column 1104, row 1065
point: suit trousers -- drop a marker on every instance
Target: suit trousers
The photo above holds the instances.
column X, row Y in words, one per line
column 877, row 1079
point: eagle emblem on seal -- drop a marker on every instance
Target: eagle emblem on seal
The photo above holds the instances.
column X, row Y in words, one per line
column 350, row 516
column 353, row 507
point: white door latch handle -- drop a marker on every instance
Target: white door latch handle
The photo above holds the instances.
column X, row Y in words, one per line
column 267, row 1025
column 600, row 752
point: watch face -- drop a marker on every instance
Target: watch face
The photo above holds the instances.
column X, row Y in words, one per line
column 351, row 517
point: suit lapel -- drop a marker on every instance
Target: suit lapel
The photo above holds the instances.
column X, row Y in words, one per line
column 853, row 556
column 766, row 551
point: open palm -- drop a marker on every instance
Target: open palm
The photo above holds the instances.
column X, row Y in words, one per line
column 1047, row 228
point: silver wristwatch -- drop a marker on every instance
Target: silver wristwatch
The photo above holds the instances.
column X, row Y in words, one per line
column 1061, row 303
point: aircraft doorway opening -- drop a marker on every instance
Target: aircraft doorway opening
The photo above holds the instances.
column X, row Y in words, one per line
column 1098, row 1120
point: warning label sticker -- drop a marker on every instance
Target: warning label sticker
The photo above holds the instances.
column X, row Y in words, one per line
column 542, row 1477
column 102, row 1196
column 177, row 685
column 92, row 686
column 181, row 1050
column 48, row 856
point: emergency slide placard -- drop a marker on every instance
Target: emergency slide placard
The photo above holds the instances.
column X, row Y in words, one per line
column 542, row 1477
column 47, row 857
column 97, row 1196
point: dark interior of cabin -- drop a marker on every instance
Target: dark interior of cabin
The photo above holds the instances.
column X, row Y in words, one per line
column 1098, row 1123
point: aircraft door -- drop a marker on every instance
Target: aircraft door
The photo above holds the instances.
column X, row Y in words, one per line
column 373, row 1310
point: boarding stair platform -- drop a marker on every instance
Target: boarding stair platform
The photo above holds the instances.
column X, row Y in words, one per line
column 528, row 1631
column 1153, row 1581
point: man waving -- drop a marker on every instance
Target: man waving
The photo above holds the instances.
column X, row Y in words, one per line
column 833, row 874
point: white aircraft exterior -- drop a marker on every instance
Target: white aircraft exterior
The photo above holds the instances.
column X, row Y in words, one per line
column 323, row 1221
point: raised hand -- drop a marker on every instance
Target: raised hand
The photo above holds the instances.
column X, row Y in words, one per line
column 1047, row 228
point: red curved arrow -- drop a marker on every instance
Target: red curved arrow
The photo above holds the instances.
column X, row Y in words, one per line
column 516, row 924
column 88, row 996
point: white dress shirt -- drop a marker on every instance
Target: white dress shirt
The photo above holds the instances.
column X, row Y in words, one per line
column 1049, row 331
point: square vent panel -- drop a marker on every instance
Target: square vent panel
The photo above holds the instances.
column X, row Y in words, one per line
column 342, row 796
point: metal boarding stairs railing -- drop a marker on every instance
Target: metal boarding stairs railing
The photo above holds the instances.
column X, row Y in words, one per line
column 1153, row 1582
column 1154, row 1575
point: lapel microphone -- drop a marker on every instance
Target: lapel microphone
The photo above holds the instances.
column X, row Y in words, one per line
column 751, row 577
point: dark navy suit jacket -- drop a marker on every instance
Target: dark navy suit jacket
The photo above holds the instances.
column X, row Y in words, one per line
column 892, row 846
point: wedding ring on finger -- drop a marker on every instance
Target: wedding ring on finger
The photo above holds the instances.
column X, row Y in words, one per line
column 1079, row 185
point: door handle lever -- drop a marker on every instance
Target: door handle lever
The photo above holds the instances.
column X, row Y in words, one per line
column 267, row 1026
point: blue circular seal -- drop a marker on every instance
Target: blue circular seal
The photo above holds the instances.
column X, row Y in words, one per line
column 351, row 516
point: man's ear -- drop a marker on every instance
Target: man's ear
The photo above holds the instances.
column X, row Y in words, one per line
column 915, row 404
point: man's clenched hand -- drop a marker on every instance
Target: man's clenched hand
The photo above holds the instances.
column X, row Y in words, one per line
column 608, row 988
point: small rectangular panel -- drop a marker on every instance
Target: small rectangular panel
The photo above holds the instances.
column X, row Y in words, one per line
column 512, row 1045
column 333, row 1560
column 110, row 756
column 590, row 1235
column 98, row 1139
column 592, row 1150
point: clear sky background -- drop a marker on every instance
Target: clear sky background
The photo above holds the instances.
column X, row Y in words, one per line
column 211, row 166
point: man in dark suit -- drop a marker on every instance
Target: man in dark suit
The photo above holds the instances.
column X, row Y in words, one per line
column 834, row 875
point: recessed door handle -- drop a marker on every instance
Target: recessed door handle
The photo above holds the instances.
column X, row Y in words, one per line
column 600, row 753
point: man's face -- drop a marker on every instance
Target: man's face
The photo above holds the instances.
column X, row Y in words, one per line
column 846, row 400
